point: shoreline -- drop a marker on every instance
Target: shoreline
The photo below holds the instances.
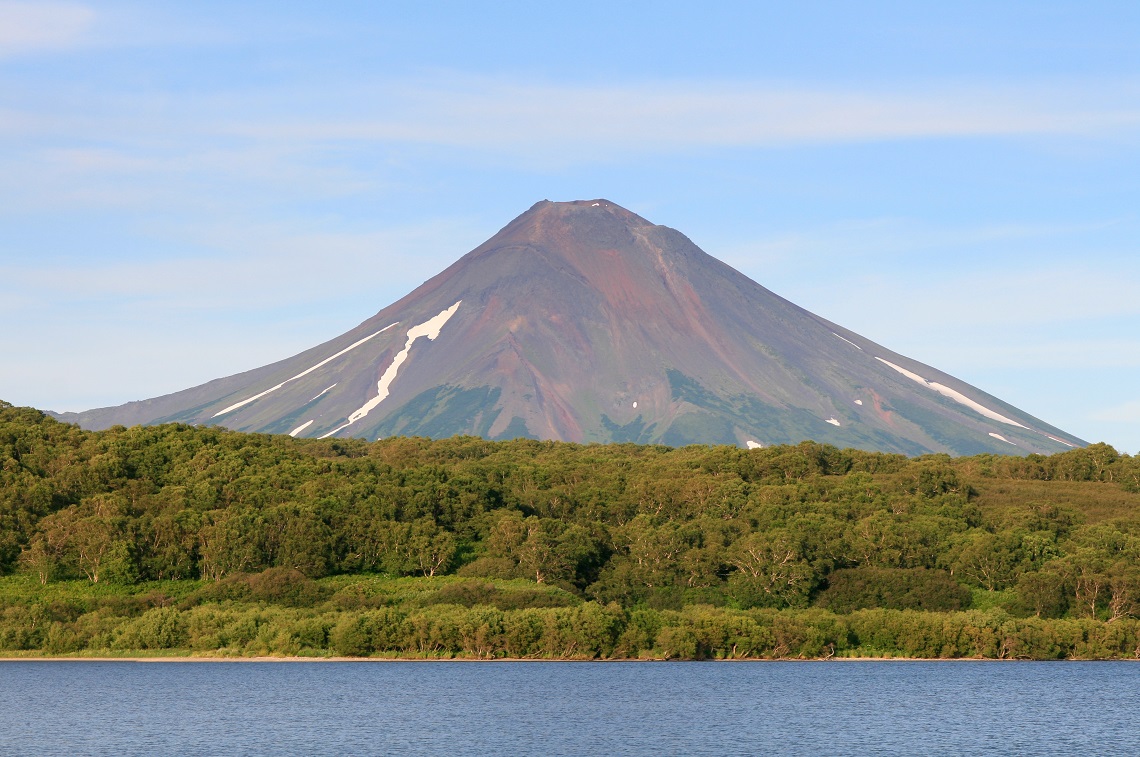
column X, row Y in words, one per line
column 201, row 659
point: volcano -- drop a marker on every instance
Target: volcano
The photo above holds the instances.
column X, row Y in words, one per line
column 581, row 321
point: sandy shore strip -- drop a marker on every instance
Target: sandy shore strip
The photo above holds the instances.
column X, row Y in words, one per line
column 199, row 659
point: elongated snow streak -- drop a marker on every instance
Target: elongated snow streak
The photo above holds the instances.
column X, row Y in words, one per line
column 1062, row 441
column 848, row 341
column 300, row 428
column 431, row 330
column 834, row 422
column 953, row 394
column 322, row 394
column 1001, row 438
column 324, row 362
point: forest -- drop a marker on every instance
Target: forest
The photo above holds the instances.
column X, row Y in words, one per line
column 184, row 540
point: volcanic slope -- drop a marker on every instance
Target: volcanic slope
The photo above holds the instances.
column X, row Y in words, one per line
column 581, row 321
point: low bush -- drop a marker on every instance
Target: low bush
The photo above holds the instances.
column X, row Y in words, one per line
column 893, row 589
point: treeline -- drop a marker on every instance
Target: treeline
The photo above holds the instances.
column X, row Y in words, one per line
column 628, row 526
column 280, row 612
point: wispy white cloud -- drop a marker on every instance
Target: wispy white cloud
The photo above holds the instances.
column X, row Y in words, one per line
column 512, row 115
column 910, row 274
column 1129, row 412
column 139, row 149
column 250, row 266
column 670, row 115
column 1062, row 318
column 1011, row 351
column 32, row 27
column 227, row 297
column 874, row 241
column 187, row 175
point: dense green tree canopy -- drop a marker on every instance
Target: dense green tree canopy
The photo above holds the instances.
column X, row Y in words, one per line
column 641, row 526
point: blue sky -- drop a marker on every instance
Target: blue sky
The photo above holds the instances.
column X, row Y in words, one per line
column 188, row 190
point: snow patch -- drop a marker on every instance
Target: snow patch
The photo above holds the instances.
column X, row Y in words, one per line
column 834, row 422
column 1001, row 438
column 753, row 445
column 859, row 402
column 430, row 329
column 300, row 428
column 953, row 394
column 324, row 362
column 322, row 394
column 635, row 405
column 596, row 204
column 848, row 341
column 1061, row 441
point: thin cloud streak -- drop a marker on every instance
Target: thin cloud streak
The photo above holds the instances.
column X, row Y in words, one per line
column 251, row 267
column 1082, row 355
column 1129, row 412
column 911, row 304
column 667, row 116
column 652, row 116
column 134, row 153
column 877, row 240
column 33, row 27
column 1009, row 274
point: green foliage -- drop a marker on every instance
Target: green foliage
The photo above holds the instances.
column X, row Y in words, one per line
column 473, row 593
column 1044, row 594
column 403, row 624
column 277, row 539
column 160, row 628
column 281, row 586
column 894, row 589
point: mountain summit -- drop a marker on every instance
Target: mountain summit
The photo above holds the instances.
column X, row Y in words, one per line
column 582, row 321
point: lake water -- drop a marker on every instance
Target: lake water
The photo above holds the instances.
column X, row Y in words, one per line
column 541, row 708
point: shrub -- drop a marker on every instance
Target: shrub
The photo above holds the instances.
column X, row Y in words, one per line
column 160, row 628
column 474, row 593
column 893, row 589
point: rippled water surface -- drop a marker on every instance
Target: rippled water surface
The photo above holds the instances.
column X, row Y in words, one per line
column 833, row 708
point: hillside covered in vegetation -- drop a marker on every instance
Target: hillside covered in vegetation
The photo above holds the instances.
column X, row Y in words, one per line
column 184, row 538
